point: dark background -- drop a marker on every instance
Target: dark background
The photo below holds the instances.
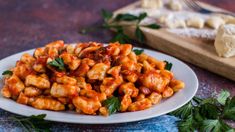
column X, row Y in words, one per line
column 26, row 24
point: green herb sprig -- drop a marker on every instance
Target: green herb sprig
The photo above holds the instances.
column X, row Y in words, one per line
column 34, row 123
column 168, row 65
column 111, row 22
column 138, row 51
column 57, row 63
column 112, row 104
column 7, row 72
column 207, row 115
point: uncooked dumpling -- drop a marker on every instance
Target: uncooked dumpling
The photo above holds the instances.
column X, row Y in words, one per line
column 195, row 22
column 215, row 22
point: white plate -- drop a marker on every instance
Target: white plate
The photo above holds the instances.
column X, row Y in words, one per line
column 180, row 70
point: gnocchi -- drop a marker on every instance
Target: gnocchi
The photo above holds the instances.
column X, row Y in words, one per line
column 85, row 76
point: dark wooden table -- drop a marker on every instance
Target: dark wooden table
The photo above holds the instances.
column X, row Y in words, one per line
column 28, row 24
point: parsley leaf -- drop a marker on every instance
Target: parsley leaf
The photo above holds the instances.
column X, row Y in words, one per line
column 168, row 65
column 58, row 63
column 34, row 123
column 209, row 111
column 186, row 125
column 223, row 96
column 139, row 34
column 120, row 37
column 126, row 17
column 7, row 72
column 112, row 104
column 138, row 51
column 214, row 126
column 142, row 16
column 229, row 109
column 106, row 14
column 153, row 26
column 184, row 111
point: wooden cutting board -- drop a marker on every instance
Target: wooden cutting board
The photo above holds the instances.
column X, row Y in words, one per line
column 193, row 50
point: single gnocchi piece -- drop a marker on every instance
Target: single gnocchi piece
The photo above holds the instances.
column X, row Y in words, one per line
column 93, row 94
column 153, row 80
column 71, row 60
column 151, row 4
column 175, row 23
column 140, row 105
column 109, row 85
column 87, row 106
column 81, row 82
column 70, row 49
column 125, row 49
column 15, row 85
column 128, row 89
column 22, row 99
column 28, row 59
column 175, row 5
column 195, row 22
column 39, row 68
column 39, row 52
column 125, row 102
column 87, row 50
column 140, row 97
column 47, row 104
column 56, row 44
column 214, row 22
column 147, row 67
column 113, row 49
column 155, row 97
column 64, row 90
column 82, row 70
column 157, row 63
column 6, row 92
column 104, row 111
column 98, row 71
column 176, row 85
column 32, row 91
column 131, row 76
column 66, row 80
column 88, row 61
column 22, row 70
column 37, row 81
column 168, row 92
column 114, row 71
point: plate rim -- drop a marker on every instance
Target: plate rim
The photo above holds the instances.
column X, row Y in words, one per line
column 112, row 122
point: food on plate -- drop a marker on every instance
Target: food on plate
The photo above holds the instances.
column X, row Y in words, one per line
column 195, row 22
column 225, row 40
column 89, row 78
column 151, row 4
column 214, row 22
column 175, row 5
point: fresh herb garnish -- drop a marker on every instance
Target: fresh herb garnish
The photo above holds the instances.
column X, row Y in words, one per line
column 7, row 72
column 112, row 104
column 125, row 17
column 207, row 115
column 34, row 123
column 229, row 109
column 106, row 14
column 168, row 65
column 58, row 63
column 111, row 22
column 138, row 51
column 153, row 26
column 223, row 96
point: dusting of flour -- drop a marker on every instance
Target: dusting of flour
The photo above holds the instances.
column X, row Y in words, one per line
column 154, row 14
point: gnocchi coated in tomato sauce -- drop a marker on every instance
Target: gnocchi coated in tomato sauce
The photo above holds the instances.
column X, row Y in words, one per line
column 82, row 77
